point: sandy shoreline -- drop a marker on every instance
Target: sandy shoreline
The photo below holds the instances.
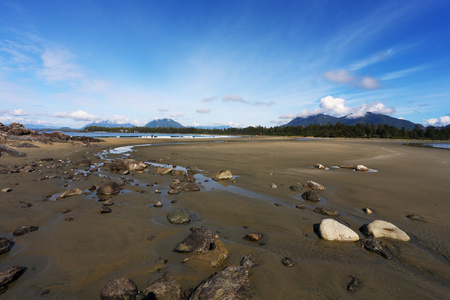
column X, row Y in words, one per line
column 75, row 259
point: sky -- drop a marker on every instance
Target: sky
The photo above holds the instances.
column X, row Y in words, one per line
column 210, row 63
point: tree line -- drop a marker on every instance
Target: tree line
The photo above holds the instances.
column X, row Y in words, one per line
column 331, row 130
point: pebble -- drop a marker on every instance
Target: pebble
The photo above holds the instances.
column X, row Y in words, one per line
column 158, row 204
column 6, row 190
column 367, row 210
column 288, row 262
column 105, row 210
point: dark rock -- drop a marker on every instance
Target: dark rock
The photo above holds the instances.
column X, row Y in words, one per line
column 254, row 236
column 192, row 169
column 248, row 262
column 5, row 245
column 310, row 196
column 191, row 187
column 10, row 275
column 114, row 166
column 295, row 188
column 165, row 288
column 109, row 188
column 151, row 238
column 26, row 145
column 26, row 205
column 300, row 206
column 105, row 210
column 18, row 129
column 288, row 262
column 371, row 244
column 215, row 257
column 8, row 151
column 179, row 216
column 199, row 240
column 69, row 219
column 178, row 173
column 66, row 210
column 45, row 292
column 354, row 284
column 24, row 229
column 230, row 283
column 416, row 218
column 326, row 211
column 119, row 289
column 347, row 167
column 108, row 202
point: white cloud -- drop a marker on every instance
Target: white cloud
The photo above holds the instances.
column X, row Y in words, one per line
column 337, row 107
column 209, row 99
column 234, row 98
column 18, row 112
column 263, row 103
column 203, row 110
column 78, row 115
column 176, row 115
column 442, row 121
column 58, row 65
column 345, row 77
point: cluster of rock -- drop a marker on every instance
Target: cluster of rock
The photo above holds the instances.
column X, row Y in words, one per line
column 360, row 168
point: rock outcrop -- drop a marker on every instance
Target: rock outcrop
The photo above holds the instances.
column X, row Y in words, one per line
column 10, row 275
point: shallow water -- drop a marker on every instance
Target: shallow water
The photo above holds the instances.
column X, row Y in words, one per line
column 75, row 259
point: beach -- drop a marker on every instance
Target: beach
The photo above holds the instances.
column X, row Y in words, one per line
column 74, row 259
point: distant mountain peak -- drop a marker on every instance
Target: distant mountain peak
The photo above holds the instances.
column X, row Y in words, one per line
column 163, row 123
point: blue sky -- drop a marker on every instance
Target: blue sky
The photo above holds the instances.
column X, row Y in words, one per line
column 238, row 63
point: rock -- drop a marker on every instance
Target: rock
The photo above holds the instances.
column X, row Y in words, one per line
column 310, row 196
column 109, row 188
column 314, row 185
column 189, row 178
column 416, row 218
column 379, row 229
column 273, row 185
column 26, row 205
column 192, row 169
column 105, row 210
column 332, row 230
column 69, row 219
column 158, row 204
column 354, row 284
column 133, row 165
column 5, row 245
column 319, row 166
column 248, row 262
column 326, row 211
column 21, row 230
column 254, row 236
column 7, row 190
column 191, row 187
column 114, row 166
column 66, row 210
column 178, row 173
column 9, row 276
column 108, row 202
column 176, row 183
column 119, row 289
column 199, row 240
column 347, row 167
column 175, row 191
column 288, row 262
column 361, row 168
column 373, row 245
column 70, row 192
column 157, row 191
column 222, row 175
column 230, row 283
column 215, row 257
column 295, row 188
column 179, row 216
column 165, row 288
column 367, row 210
column 163, row 171
column 8, row 151
column 300, row 206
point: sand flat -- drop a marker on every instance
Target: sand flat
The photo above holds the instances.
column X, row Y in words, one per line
column 75, row 259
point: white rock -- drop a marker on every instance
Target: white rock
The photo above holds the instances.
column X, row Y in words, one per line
column 367, row 210
column 379, row 228
column 222, row 175
column 332, row 230
column 361, row 168
column 314, row 185
column 319, row 166
column 273, row 185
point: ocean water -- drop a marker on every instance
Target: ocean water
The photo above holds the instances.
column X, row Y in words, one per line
column 98, row 134
column 429, row 145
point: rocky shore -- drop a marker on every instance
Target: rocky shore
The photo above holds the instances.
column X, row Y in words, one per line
column 220, row 220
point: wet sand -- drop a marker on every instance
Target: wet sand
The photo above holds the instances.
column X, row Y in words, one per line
column 74, row 260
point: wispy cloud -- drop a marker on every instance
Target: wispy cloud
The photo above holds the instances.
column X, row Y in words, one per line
column 264, row 103
column 203, row 110
column 177, row 115
column 18, row 112
column 58, row 65
column 371, row 60
column 234, row 98
column 78, row 115
column 401, row 73
column 209, row 99
column 346, row 77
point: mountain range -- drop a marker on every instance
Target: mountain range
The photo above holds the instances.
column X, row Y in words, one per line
column 369, row 117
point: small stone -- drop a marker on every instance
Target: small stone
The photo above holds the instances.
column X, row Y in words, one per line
column 373, row 245
column 347, row 167
column 6, row 190
column 151, row 238
column 416, row 218
column 157, row 191
column 26, row 205
column 163, row 171
column 310, row 196
column 179, row 216
column 254, row 236
column 21, row 230
column 314, row 185
column 167, row 287
column 326, row 211
column 199, row 240
column 319, row 166
column 295, row 188
column 5, row 245
column 66, row 210
column 271, row 173
column 69, row 219
column 105, row 210
column 367, row 211
column 222, row 175
column 361, row 168
column 273, row 185
column 300, row 206
column 70, row 192
column 158, row 204
column 108, row 202
column 109, row 188
column 288, row 262
column 248, row 262
column 354, row 284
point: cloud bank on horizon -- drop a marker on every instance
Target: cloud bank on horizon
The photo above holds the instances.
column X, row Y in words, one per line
column 236, row 63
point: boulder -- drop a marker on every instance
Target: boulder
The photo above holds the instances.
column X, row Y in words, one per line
column 332, row 230
column 5, row 245
column 163, row 171
column 70, row 192
column 165, row 288
column 18, row 129
column 21, row 230
column 230, row 283
column 222, row 175
column 361, row 168
column 310, row 196
column 254, row 236
column 314, row 185
column 119, row 289
column 8, row 151
column 379, row 229
column 133, row 165
column 179, row 216
column 326, row 211
column 214, row 257
column 109, row 188
column 199, row 240
column 319, row 166
column 9, row 276
column 114, row 166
